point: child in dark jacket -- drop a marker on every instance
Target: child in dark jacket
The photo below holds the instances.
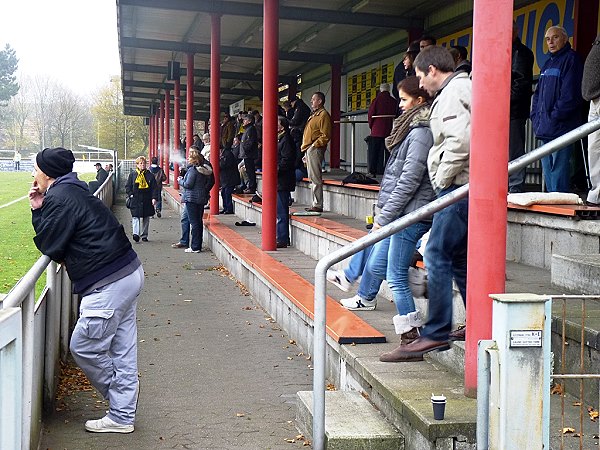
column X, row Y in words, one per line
column 229, row 177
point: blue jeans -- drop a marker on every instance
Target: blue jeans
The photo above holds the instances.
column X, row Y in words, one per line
column 282, row 232
column 401, row 250
column 226, row 193
column 185, row 226
column 446, row 257
column 195, row 212
column 556, row 168
column 369, row 284
column 158, row 206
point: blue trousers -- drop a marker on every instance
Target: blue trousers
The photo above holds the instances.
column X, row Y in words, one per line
column 195, row 212
column 557, row 169
column 369, row 283
column 104, row 343
column 445, row 258
column 185, row 227
column 226, row 193
column 282, row 232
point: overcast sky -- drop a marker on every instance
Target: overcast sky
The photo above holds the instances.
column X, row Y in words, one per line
column 73, row 41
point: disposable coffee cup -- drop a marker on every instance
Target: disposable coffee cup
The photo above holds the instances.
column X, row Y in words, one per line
column 439, row 406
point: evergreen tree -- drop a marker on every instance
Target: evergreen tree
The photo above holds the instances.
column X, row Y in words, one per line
column 8, row 79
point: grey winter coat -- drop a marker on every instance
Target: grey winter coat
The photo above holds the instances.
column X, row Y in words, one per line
column 405, row 185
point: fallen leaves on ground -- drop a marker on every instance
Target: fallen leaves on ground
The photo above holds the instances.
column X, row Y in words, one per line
column 226, row 273
column 71, row 380
column 557, row 389
column 593, row 414
column 298, row 438
column 330, row 387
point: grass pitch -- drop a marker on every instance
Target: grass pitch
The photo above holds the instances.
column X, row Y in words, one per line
column 17, row 250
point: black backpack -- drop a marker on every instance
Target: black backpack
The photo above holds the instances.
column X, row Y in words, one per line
column 358, row 178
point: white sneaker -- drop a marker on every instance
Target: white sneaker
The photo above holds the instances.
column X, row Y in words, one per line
column 189, row 250
column 107, row 425
column 358, row 303
column 338, row 278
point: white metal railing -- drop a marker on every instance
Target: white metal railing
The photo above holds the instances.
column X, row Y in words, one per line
column 320, row 341
column 29, row 352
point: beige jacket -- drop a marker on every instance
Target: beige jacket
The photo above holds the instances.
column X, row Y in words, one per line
column 317, row 131
column 450, row 121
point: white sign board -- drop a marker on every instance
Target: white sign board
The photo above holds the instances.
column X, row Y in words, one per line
column 525, row 338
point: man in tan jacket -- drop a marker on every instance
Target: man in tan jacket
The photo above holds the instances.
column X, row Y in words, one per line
column 317, row 134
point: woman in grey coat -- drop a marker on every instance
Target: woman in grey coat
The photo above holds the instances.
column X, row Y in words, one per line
column 405, row 187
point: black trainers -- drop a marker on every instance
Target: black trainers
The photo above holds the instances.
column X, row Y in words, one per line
column 158, row 214
column 136, row 238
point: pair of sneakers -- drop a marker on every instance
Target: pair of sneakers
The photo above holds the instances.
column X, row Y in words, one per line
column 107, row 425
column 338, row 278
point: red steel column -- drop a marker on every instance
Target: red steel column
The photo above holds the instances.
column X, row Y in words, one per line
column 154, row 134
column 270, row 100
column 161, row 137
column 492, row 24
column 176, row 133
column 189, row 103
column 156, row 130
column 215, row 106
column 150, row 135
column 167, row 150
column 336, row 86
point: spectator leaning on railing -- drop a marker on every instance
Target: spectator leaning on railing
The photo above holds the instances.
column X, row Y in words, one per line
column 75, row 228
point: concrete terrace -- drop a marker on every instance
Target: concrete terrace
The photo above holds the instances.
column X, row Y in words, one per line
column 217, row 371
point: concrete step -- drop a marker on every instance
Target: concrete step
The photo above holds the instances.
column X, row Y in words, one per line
column 351, row 422
column 577, row 273
column 316, row 241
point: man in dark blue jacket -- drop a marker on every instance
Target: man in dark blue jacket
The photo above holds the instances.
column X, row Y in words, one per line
column 556, row 105
column 75, row 228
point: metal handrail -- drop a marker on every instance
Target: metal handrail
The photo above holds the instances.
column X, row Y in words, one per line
column 22, row 295
column 319, row 352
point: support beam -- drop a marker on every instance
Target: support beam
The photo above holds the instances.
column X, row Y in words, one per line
column 189, row 122
column 176, row 134
column 215, row 104
column 269, row 137
column 161, row 131
column 185, row 47
column 336, row 86
column 170, row 86
column 201, row 73
column 167, row 152
column 486, row 260
column 292, row 13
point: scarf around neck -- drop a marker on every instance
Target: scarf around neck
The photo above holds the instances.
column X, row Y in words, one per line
column 141, row 179
column 405, row 121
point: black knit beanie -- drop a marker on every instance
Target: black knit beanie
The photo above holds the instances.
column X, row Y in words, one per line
column 55, row 162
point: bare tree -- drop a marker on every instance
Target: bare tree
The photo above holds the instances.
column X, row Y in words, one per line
column 17, row 115
column 68, row 116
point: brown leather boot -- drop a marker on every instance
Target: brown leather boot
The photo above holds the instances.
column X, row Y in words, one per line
column 409, row 336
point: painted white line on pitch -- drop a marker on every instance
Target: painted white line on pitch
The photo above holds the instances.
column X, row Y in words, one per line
column 14, row 201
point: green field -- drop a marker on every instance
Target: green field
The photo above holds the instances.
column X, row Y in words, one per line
column 17, row 251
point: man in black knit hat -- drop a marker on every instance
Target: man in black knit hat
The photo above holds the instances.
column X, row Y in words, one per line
column 75, row 228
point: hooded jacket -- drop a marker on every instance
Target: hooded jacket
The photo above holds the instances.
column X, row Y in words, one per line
column 76, row 228
column 557, row 100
